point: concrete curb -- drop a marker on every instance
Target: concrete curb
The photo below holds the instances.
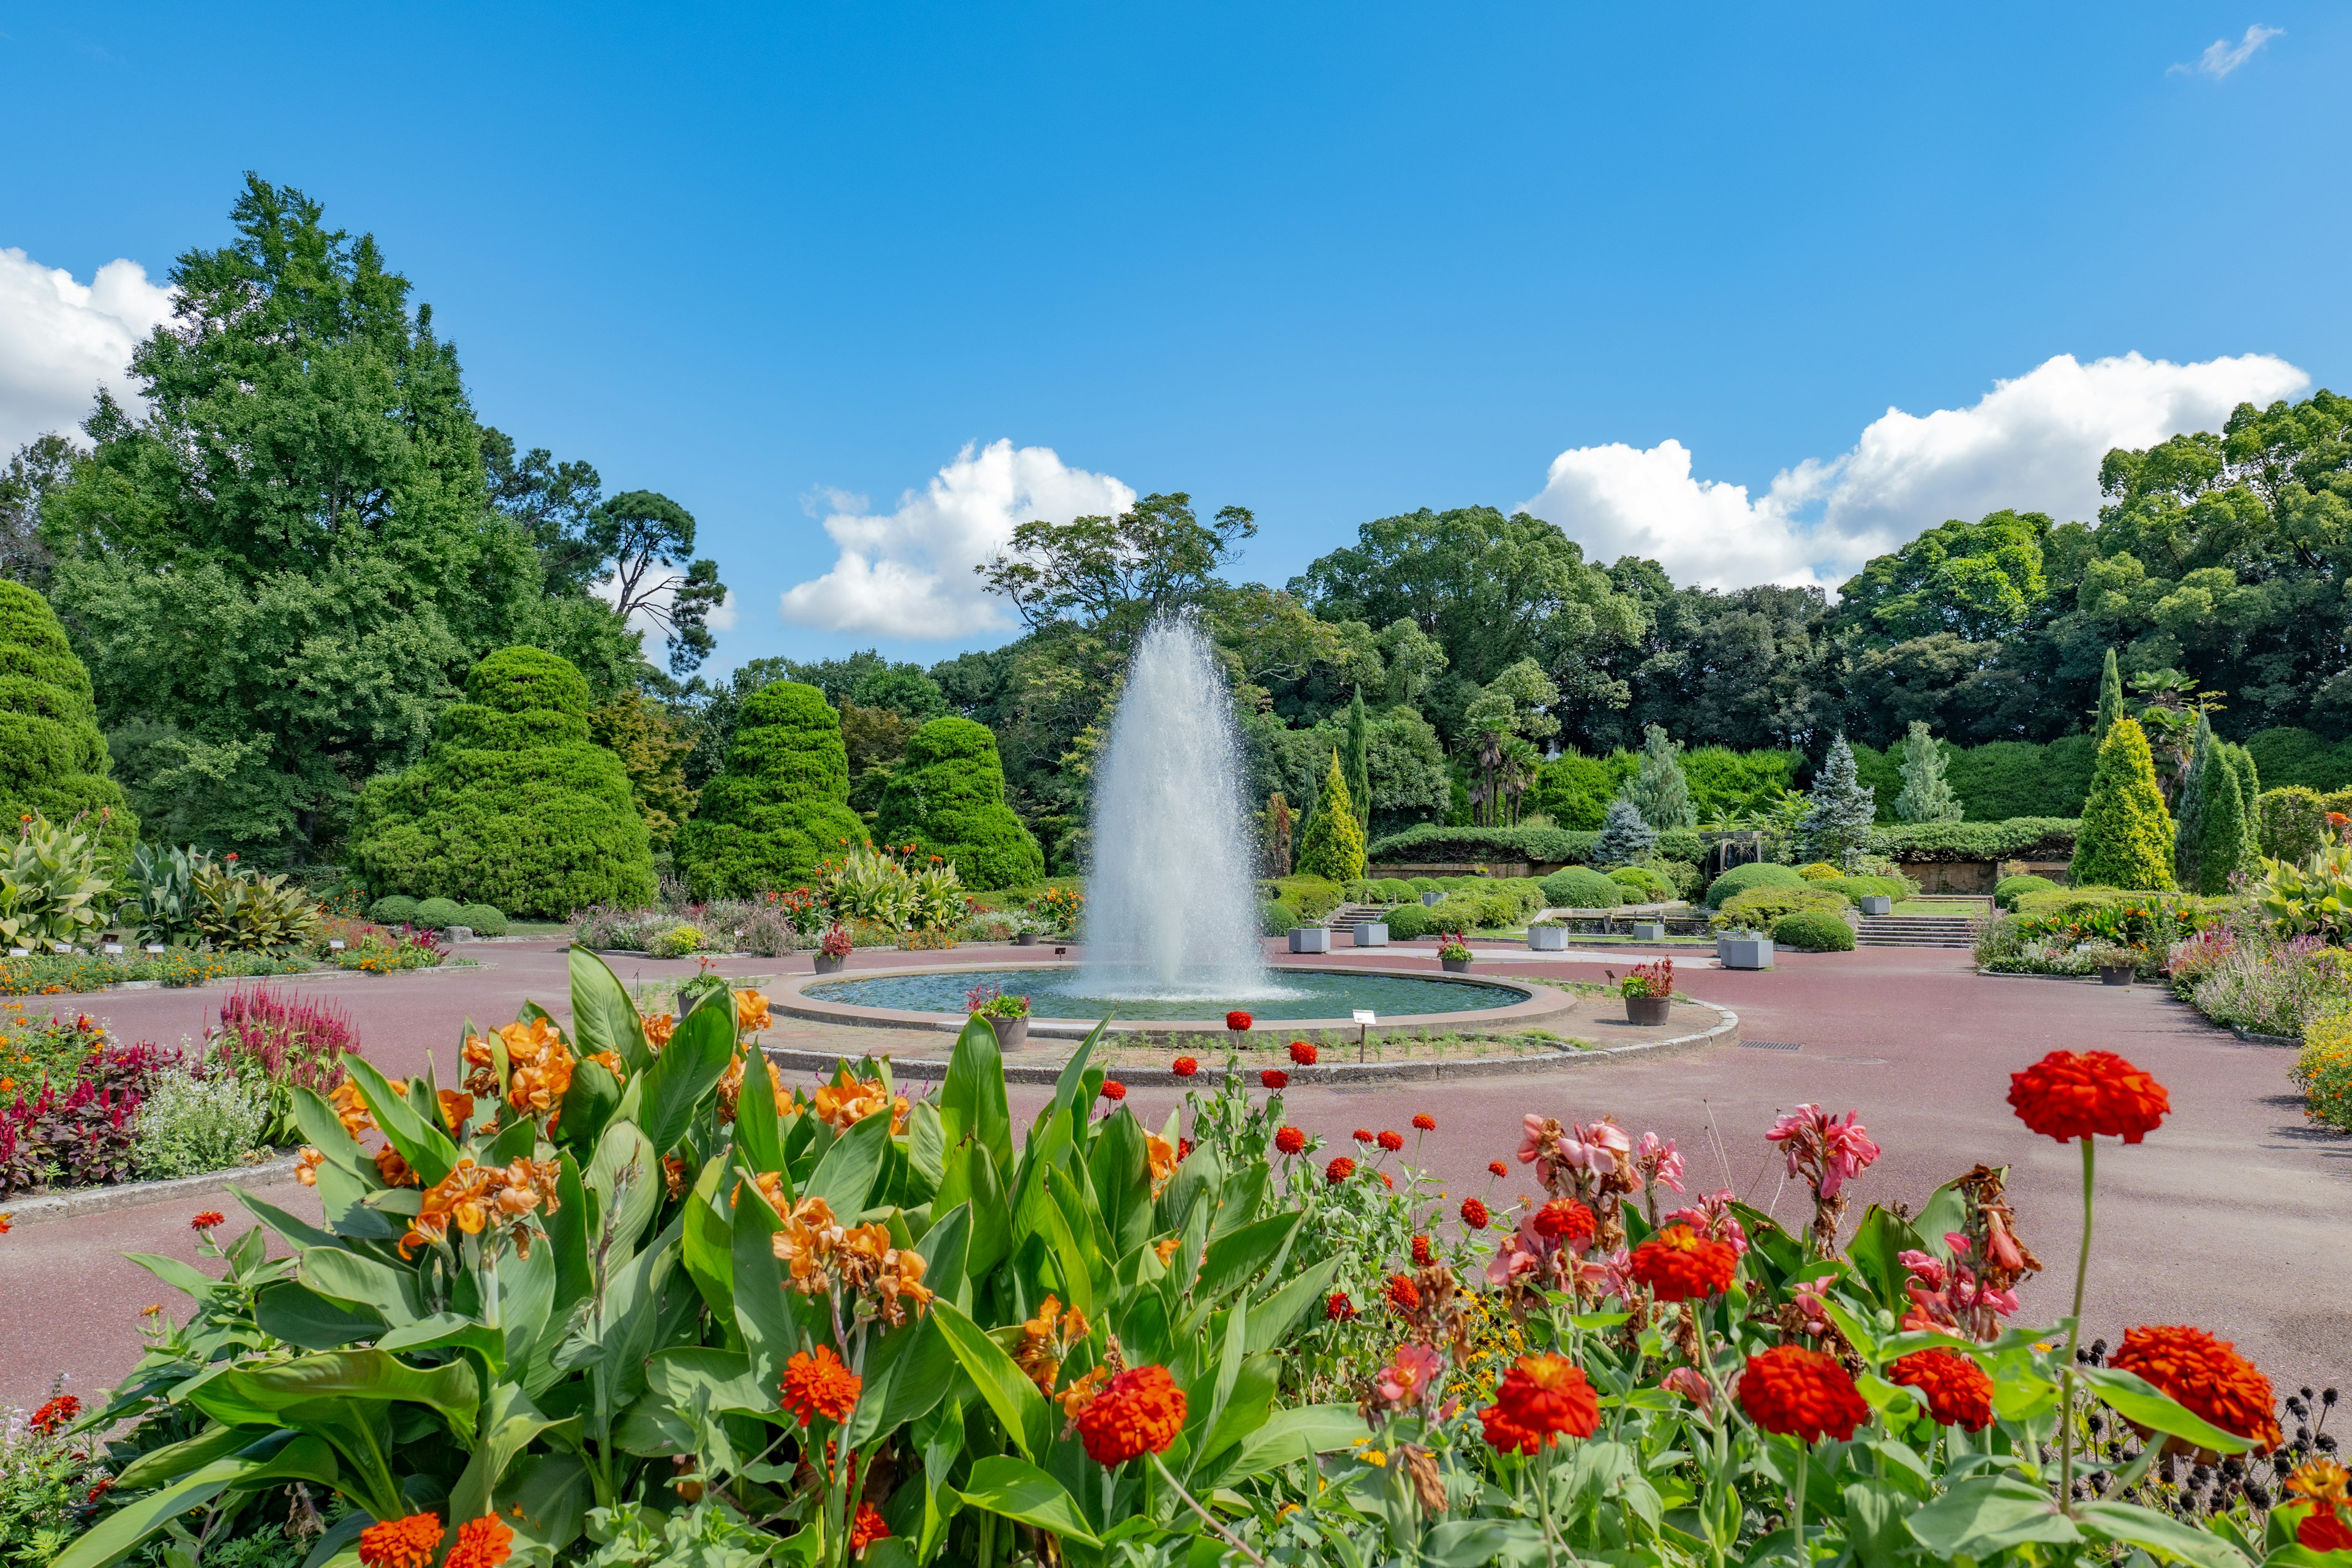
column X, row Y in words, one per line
column 231, row 982
column 134, row 1194
column 2291, row 1042
column 1725, row 1031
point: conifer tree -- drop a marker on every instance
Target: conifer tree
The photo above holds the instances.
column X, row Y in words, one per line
column 1837, row 821
column 53, row 761
column 947, row 799
column 1660, row 791
column 2126, row 835
column 1927, row 795
column 2222, row 824
column 2111, row 700
column 1360, row 766
column 780, row 807
column 1333, row 844
column 1625, row 836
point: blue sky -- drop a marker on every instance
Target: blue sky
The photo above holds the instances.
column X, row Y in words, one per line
column 1328, row 262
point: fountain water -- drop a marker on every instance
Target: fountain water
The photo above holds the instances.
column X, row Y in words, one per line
column 1171, row 905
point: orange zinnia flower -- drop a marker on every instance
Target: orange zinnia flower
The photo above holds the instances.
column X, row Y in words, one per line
column 1339, row 1170
column 1304, row 1054
column 868, row 1526
column 1567, row 1222
column 2205, row 1374
column 210, row 1219
column 1138, row 1411
column 407, row 1542
column 1542, row 1398
column 2067, row 1095
column 1289, row 1141
column 1802, row 1393
column 817, row 1383
column 1423, row 1121
column 1678, row 1264
column 484, row 1542
column 1954, row 1387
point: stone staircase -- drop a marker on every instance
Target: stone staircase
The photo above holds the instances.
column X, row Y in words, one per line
column 1917, row 930
column 1344, row 920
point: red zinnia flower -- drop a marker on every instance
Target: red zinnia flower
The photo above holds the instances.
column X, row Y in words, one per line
column 1541, row 1398
column 1290, row 1141
column 1385, row 1180
column 1496, row 1168
column 1678, row 1264
column 1185, row 1067
column 1425, row 1121
column 1138, row 1411
column 1238, row 1021
column 1401, row 1294
column 1565, row 1221
column 1421, row 1251
column 1303, row 1054
column 56, row 1413
column 483, row 1542
column 1274, row 1080
column 208, row 1220
column 407, row 1542
column 2205, row 1374
column 1184, row 1149
column 1474, row 1214
column 817, row 1383
column 2323, row 1530
column 1112, row 1089
column 1362, row 1135
column 1339, row 1170
column 2068, row 1096
column 1392, row 1141
column 1954, row 1387
column 1338, row 1308
column 869, row 1526
column 1802, row 1393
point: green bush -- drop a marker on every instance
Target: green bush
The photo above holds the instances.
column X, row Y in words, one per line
column 438, row 914
column 53, row 761
column 1397, row 891
column 2009, row 890
column 393, row 909
column 1757, row 873
column 1682, row 877
column 514, row 805
column 947, row 797
column 1276, row 918
column 2288, row 755
column 2126, row 836
column 1421, row 885
column 2017, row 838
column 1581, row 887
column 1865, row 886
column 1759, row 907
column 1814, row 931
column 189, row 1125
column 483, row 919
column 1309, row 897
column 1647, row 886
column 1407, row 922
column 2291, row 823
column 2005, row 779
column 779, row 807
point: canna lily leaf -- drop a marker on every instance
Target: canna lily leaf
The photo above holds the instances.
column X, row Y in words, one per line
column 2160, row 1535
column 1017, row 1404
column 603, row 1016
column 1983, row 1517
column 425, row 1147
column 682, row 1077
column 2136, row 1400
column 1019, row 1490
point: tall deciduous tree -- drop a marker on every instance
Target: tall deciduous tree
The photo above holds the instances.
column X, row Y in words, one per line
column 1927, row 795
column 1112, row 574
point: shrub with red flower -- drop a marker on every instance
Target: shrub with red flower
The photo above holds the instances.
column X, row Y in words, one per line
column 1420, row 1253
column 208, row 1220
column 1802, row 1394
column 2205, row 1374
column 484, row 1542
column 408, row 1542
column 868, row 1527
column 1541, row 1399
column 1113, row 1090
column 1303, row 1055
column 56, row 1415
column 1392, row 1141
column 1289, row 1141
column 1338, row 1308
column 1954, row 1389
column 1497, row 1169
column 1138, row 1411
column 1401, row 1294
column 1339, row 1170
column 2068, row 1095
column 1474, row 1214
column 817, row 1383
column 1423, row 1121
column 1185, row 1067
column 1238, row 1021
column 1274, row 1080
column 1564, row 1222
column 1678, row 1264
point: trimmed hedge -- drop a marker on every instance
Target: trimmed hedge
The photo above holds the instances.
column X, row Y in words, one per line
column 1809, row 930
column 1648, row 886
column 1865, row 886
column 1432, row 842
column 53, row 761
column 440, row 914
column 947, row 798
column 514, row 805
column 1759, row 907
column 2016, row 838
column 393, row 909
column 1755, row 874
column 2009, row 890
column 781, row 805
column 483, row 919
column 1407, row 922
column 1582, row 887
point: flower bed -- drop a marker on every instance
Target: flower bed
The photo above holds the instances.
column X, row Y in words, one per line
column 55, row 974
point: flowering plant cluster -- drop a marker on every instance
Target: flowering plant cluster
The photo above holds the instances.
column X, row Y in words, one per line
column 1649, row 980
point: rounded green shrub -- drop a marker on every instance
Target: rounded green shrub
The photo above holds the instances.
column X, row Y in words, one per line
column 1757, row 874
column 1758, row 909
column 946, row 798
column 1407, row 922
column 438, row 914
column 1397, row 890
column 1276, row 918
column 1646, row 886
column 1581, row 887
column 1814, row 931
column 483, row 919
column 2009, row 890
column 1821, row 871
column 393, row 909
column 1865, row 886
column 514, row 805
column 53, row 761
column 1422, row 885
column 781, row 805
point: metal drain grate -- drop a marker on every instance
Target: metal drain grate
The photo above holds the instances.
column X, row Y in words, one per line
column 1771, row 1046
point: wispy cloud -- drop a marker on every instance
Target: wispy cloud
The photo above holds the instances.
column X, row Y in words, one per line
column 2222, row 57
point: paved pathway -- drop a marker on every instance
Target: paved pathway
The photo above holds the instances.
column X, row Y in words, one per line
column 2232, row 1216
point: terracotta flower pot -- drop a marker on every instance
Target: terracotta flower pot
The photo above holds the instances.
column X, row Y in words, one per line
column 1647, row 1011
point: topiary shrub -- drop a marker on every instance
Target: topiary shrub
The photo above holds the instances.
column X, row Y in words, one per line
column 1421, row 885
column 946, row 798
column 2009, row 890
column 1760, row 874
column 1276, row 918
column 1820, row 871
column 1332, row 844
column 1862, row 886
column 1759, row 907
column 393, row 909
column 1646, row 886
column 514, row 805
column 1397, row 891
column 1581, row 887
column 483, row 919
column 438, row 914
column 1812, row 930
column 781, row 805
column 53, row 761
column 1407, row 922
column 2126, row 835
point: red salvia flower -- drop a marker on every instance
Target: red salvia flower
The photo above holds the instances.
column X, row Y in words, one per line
column 1339, row 1170
column 1474, row 1214
column 1802, row 1393
column 1953, row 1386
column 1274, row 1080
column 1138, row 1411
column 2205, row 1374
column 1678, row 1264
column 2067, row 1095
column 1303, row 1054
column 1542, row 1398
column 1290, row 1141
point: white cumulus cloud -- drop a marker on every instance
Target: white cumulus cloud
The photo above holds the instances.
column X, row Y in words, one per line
column 909, row 573
column 2034, row 443
column 2222, row 57
column 61, row 340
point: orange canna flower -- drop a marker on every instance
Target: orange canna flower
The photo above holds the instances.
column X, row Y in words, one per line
column 306, row 1167
column 658, row 1028
column 350, row 1109
column 393, row 1170
column 1162, row 1157
column 806, row 1244
column 612, row 1063
column 456, row 1108
column 1082, row 1391
column 847, row 1101
column 750, row 1012
column 1046, row 1339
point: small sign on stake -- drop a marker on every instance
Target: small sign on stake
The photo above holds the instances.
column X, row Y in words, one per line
column 1365, row 1019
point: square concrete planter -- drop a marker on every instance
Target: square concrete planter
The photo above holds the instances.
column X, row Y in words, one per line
column 1431, row 899
column 1310, row 939
column 1372, row 933
column 1649, row 931
column 1743, row 952
column 1877, row 904
column 1548, row 939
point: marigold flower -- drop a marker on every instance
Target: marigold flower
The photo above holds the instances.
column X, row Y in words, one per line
column 1338, row 1308
column 1421, row 1255
column 1363, row 1136
column 1275, row 1078
column 817, row 1383
column 407, row 1542
column 1303, row 1054
column 483, row 1542
column 1392, row 1141
column 208, row 1220
column 1566, row 1222
column 1474, row 1214
column 868, row 1527
column 1238, row 1021
column 1138, row 1411
column 1954, row 1389
column 306, row 1167
column 2205, row 1374
column 1802, row 1394
column 750, row 1012
column 1542, row 1398
column 1497, row 1169
column 56, row 1415
column 1185, row 1067
column 1339, row 1170
column 1678, row 1264
column 1423, row 1121
column 1113, row 1090
column 1289, row 1141
column 1401, row 1294
column 2067, row 1095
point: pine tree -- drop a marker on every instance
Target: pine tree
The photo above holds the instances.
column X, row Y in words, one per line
column 1333, row 844
column 2111, row 700
column 1660, row 791
column 1625, row 837
column 1927, row 797
column 2188, row 835
column 1837, row 821
column 2126, row 835
column 1359, row 767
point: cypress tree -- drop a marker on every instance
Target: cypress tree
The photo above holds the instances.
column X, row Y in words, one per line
column 2111, row 700
column 1927, row 797
column 2126, row 835
column 1625, row 836
column 1333, row 844
column 781, row 805
column 947, row 798
column 53, row 760
column 1660, row 791
column 2188, row 836
column 1837, row 821
column 1360, row 766
column 2221, row 850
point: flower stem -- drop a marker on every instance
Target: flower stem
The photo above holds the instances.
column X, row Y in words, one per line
column 1796, row 1498
column 1206, row 1518
column 2074, row 1334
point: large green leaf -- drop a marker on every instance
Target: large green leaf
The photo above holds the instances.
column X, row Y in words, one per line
column 1875, row 1254
column 971, row 1100
column 1073, row 1259
column 544, row 1499
column 1299, row 1433
column 1986, row 1515
column 303, row 1318
column 844, row 1177
column 905, row 1376
column 762, row 1316
column 625, row 1175
column 603, row 1017
column 259, row 1395
column 972, row 1180
column 510, row 1423
column 158, row 1466
column 1017, row 1490
column 2161, row 1534
column 184, row 1278
column 1270, row 1321
column 2136, row 1399
column 295, row 1233
column 759, row 1138
column 118, row 1534
column 425, row 1147
column 1120, row 1168
column 943, row 1248
column 588, row 1105
column 1233, row 1260
column 689, row 1069
column 1018, row 1407
column 392, row 1293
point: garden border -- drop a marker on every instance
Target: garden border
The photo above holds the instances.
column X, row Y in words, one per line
column 133, row 1195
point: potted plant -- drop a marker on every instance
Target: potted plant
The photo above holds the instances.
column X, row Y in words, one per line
column 1007, row 1015
column 1453, row 954
column 1547, row 936
column 2116, row 963
column 1877, row 903
column 833, row 951
column 1737, row 947
column 1649, row 991
column 1371, row 933
column 1025, row 928
column 1310, row 939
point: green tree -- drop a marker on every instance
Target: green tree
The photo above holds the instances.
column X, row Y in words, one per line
column 53, row 761
column 38, row 467
column 1660, row 791
column 2126, row 839
column 2111, row 700
column 1976, row 581
column 515, row 805
column 2196, row 793
column 947, row 797
column 1359, row 766
column 2223, row 847
column 781, row 805
column 1333, row 843
column 1626, row 838
column 641, row 732
column 1113, row 575
column 1925, row 796
column 1839, row 810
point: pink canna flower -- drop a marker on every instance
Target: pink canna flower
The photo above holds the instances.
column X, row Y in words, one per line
column 1658, row 1161
column 1825, row 1151
column 1518, row 1252
column 1409, row 1376
column 1687, row 1382
column 1712, row 1217
column 1594, row 1146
